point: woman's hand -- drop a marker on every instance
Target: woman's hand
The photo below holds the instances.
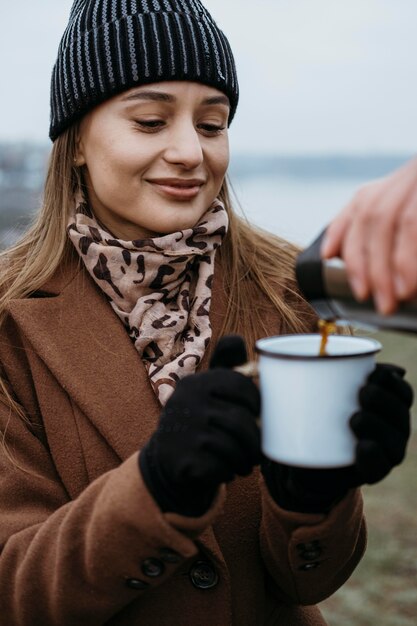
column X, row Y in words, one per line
column 376, row 235
column 382, row 429
column 207, row 434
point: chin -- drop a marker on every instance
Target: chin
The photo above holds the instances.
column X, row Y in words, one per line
column 178, row 225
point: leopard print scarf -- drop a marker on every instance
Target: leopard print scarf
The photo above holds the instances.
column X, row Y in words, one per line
column 159, row 287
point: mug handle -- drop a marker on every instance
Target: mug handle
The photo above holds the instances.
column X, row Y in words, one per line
column 250, row 368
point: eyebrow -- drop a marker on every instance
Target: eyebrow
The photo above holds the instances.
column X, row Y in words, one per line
column 159, row 96
column 217, row 100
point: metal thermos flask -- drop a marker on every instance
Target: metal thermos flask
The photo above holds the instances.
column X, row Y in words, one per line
column 324, row 284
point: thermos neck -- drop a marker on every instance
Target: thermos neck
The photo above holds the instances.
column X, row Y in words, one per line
column 335, row 281
column 309, row 271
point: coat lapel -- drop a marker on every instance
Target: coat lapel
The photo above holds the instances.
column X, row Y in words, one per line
column 75, row 332
column 86, row 348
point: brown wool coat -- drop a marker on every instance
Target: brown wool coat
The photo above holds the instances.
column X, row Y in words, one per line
column 78, row 526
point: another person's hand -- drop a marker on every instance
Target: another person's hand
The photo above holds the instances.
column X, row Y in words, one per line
column 207, row 434
column 382, row 429
column 376, row 235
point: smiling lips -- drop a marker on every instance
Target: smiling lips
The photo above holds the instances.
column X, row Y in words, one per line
column 179, row 188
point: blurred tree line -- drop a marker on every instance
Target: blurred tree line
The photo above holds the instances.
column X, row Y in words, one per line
column 22, row 171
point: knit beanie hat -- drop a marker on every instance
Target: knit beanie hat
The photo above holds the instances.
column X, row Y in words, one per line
column 110, row 46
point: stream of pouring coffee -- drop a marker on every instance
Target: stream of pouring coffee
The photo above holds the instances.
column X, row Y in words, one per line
column 325, row 328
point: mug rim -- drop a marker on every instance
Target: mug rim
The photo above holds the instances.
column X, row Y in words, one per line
column 377, row 347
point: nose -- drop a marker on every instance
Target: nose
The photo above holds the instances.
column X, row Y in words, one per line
column 184, row 147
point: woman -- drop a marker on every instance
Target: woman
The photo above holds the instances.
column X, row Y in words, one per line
column 119, row 439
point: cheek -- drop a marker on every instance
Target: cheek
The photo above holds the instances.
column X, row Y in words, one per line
column 108, row 182
column 110, row 168
column 109, row 147
column 220, row 162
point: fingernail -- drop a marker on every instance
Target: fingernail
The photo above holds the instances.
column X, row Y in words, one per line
column 358, row 287
column 382, row 303
column 400, row 287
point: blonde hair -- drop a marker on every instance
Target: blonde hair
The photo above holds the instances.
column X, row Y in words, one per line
column 28, row 264
column 257, row 261
column 251, row 259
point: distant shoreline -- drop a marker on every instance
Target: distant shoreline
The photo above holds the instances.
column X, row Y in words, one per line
column 366, row 166
column 24, row 156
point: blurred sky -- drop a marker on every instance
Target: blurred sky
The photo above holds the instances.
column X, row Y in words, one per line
column 316, row 75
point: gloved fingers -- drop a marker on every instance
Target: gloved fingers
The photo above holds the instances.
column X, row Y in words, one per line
column 397, row 417
column 380, row 400
column 381, row 368
column 230, row 351
column 371, row 463
column 237, row 389
column 225, row 447
column 370, row 428
column 217, row 385
column 242, row 428
column 391, row 378
column 216, row 460
column 231, row 456
column 204, row 468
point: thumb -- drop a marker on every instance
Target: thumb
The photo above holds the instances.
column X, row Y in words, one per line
column 229, row 352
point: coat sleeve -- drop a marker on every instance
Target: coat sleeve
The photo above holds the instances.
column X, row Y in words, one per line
column 309, row 556
column 86, row 558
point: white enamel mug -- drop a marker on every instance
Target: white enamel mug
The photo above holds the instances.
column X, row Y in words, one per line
column 307, row 399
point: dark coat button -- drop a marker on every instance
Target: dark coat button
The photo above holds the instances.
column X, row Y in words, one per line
column 203, row 575
column 310, row 551
column 169, row 556
column 153, row 568
column 311, row 555
column 135, row 583
column 308, row 566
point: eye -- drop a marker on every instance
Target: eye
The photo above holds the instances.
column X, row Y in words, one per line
column 150, row 125
column 211, row 129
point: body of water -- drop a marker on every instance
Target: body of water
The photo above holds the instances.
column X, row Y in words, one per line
column 294, row 208
column 297, row 196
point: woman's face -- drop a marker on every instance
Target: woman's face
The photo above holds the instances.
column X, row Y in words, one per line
column 155, row 157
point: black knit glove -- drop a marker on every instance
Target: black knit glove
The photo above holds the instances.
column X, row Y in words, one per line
column 382, row 428
column 207, row 434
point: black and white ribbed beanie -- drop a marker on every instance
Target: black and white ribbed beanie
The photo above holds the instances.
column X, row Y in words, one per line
column 112, row 45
